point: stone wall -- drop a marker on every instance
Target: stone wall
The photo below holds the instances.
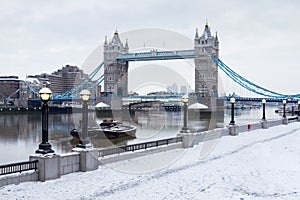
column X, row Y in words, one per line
column 135, row 154
column 19, row 178
column 69, row 163
column 220, row 132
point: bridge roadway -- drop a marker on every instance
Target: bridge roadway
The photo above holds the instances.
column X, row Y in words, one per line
column 157, row 55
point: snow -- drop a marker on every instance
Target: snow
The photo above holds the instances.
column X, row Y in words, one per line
column 198, row 106
column 260, row 164
column 102, row 105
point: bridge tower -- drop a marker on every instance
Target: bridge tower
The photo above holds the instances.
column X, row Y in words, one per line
column 206, row 71
column 115, row 72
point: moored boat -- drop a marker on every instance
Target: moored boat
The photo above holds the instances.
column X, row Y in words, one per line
column 114, row 129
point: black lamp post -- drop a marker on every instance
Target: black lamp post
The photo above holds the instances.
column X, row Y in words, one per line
column 284, row 103
column 185, row 128
column 264, row 109
column 84, row 96
column 45, row 146
column 232, row 101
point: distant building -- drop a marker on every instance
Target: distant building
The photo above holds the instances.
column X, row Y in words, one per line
column 12, row 90
column 9, row 87
column 183, row 90
column 62, row 79
column 172, row 88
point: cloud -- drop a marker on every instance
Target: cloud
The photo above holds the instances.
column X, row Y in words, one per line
column 254, row 36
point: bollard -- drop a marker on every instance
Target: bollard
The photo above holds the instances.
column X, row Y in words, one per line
column 249, row 127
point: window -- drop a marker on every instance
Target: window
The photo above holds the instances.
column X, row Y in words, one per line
column 110, row 78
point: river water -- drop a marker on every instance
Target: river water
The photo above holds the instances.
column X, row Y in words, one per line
column 20, row 134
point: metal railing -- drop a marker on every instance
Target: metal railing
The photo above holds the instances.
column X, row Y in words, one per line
column 18, row 167
column 139, row 146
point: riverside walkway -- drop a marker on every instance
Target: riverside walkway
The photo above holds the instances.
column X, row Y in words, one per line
column 257, row 164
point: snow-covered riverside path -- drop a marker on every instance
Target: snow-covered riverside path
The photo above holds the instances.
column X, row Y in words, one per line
column 260, row 164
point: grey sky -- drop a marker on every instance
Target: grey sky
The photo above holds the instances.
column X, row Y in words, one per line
column 258, row 39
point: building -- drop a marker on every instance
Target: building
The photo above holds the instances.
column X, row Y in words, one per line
column 65, row 78
column 183, row 90
column 62, row 79
column 172, row 88
column 13, row 91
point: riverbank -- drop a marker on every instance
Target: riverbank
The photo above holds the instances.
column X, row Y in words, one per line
column 260, row 164
column 52, row 110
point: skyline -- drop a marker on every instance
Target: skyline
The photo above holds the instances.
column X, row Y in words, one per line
column 259, row 40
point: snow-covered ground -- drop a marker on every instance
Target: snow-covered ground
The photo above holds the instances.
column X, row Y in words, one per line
column 262, row 164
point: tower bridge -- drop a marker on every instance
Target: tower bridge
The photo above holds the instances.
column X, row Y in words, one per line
column 207, row 63
column 117, row 57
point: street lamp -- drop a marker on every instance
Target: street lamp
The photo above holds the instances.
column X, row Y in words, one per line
column 84, row 96
column 284, row 103
column 185, row 100
column 232, row 101
column 45, row 146
column 264, row 109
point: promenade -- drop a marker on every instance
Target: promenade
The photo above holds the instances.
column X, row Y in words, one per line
column 259, row 164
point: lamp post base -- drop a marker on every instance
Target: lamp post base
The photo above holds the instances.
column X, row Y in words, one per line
column 81, row 146
column 185, row 130
column 187, row 138
column 285, row 121
column 233, row 130
column 44, row 148
column 264, row 124
column 231, row 123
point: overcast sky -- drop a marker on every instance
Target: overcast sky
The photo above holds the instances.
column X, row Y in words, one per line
column 258, row 39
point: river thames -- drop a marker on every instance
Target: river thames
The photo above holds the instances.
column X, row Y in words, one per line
column 21, row 133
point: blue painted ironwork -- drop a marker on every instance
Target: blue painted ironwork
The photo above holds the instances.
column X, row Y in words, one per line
column 157, row 55
column 250, row 86
column 83, row 84
column 73, row 92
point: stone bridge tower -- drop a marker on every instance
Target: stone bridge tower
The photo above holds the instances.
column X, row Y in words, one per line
column 115, row 72
column 206, row 71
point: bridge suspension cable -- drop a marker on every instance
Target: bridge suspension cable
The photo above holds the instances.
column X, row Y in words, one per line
column 85, row 83
column 243, row 82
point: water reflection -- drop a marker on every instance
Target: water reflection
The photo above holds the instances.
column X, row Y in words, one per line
column 153, row 125
column 20, row 134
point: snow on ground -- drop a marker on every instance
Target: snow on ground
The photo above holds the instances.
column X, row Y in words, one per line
column 261, row 164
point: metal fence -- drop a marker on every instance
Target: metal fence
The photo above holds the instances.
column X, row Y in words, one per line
column 139, row 146
column 18, row 167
